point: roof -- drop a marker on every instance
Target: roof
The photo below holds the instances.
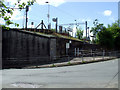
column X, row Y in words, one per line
column 66, row 37
column 53, row 35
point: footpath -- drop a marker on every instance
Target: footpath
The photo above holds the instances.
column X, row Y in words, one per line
column 74, row 61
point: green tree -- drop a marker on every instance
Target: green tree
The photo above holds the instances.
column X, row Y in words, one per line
column 79, row 34
column 105, row 38
column 115, row 29
column 5, row 10
column 109, row 37
column 53, row 30
column 97, row 27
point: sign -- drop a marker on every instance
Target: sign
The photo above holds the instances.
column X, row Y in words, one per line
column 67, row 45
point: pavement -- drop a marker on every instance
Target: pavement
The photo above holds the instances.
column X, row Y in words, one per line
column 74, row 61
column 93, row 75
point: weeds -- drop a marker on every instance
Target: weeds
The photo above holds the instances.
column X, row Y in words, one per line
column 53, row 65
column 69, row 63
column 83, row 61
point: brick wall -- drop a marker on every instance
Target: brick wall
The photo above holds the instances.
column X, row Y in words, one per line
column 22, row 48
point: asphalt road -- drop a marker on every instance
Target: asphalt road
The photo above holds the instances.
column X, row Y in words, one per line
column 94, row 75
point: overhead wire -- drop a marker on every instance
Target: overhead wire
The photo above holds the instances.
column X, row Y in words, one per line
column 68, row 14
column 64, row 12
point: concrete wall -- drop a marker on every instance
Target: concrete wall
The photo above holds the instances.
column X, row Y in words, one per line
column 21, row 48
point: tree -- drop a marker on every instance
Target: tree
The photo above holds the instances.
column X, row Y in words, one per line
column 97, row 27
column 109, row 37
column 105, row 38
column 79, row 34
column 115, row 29
column 53, row 30
column 6, row 12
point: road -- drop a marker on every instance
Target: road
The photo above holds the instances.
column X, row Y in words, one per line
column 94, row 75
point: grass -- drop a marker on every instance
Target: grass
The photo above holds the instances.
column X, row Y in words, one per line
column 69, row 63
column 53, row 65
column 83, row 61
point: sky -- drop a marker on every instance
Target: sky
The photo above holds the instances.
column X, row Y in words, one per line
column 67, row 12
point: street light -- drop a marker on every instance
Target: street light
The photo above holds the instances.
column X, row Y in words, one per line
column 48, row 15
column 55, row 20
column 76, row 27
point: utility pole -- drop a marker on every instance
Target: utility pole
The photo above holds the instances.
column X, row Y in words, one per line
column 86, row 28
column 27, row 9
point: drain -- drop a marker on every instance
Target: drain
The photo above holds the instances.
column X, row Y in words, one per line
column 26, row 85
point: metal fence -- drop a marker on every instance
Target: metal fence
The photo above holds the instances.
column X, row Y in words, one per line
column 88, row 55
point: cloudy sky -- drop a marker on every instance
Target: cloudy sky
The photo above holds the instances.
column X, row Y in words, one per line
column 67, row 12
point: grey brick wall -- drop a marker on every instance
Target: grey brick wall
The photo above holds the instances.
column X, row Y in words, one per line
column 20, row 49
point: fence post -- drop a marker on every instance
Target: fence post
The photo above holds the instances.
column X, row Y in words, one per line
column 116, row 53
column 91, row 52
column 75, row 52
column 110, row 55
column 82, row 58
column 103, row 54
column 68, row 57
column 93, row 56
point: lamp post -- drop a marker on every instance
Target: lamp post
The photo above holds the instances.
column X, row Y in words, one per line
column 48, row 15
column 76, row 28
column 55, row 20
